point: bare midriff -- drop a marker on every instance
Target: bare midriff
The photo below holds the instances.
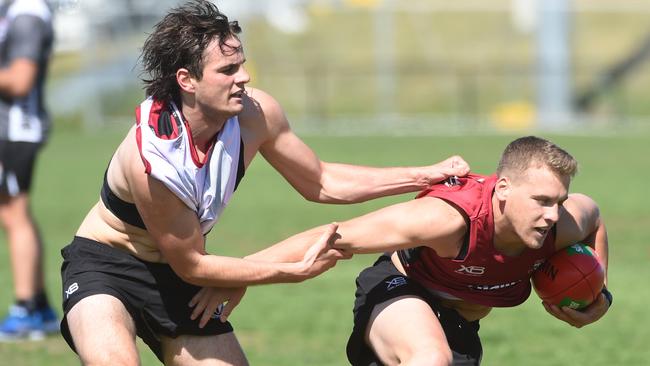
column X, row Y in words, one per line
column 104, row 227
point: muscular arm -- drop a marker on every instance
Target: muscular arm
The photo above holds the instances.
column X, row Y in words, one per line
column 175, row 229
column 325, row 182
column 580, row 221
column 422, row 222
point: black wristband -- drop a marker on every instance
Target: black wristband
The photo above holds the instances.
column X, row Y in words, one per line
column 608, row 295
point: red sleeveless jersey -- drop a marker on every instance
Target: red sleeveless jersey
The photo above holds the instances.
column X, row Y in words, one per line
column 483, row 275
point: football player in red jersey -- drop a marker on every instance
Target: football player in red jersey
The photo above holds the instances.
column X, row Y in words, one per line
column 461, row 248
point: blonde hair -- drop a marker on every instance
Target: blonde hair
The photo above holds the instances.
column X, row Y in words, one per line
column 532, row 151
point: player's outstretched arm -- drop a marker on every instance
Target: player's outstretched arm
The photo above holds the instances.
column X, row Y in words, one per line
column 426, row 221
column 320, row 181
column 175, row 228
column 317, row 257
column 580, row 222
column 422, row 222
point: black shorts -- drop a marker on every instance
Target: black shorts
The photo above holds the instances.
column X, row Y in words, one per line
column 383, row 282
column 152, row 293
column 17, row 161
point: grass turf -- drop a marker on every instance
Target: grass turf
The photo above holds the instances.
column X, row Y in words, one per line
column 308, row 323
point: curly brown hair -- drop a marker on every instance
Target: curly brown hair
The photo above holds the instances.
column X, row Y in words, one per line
column 179, row 41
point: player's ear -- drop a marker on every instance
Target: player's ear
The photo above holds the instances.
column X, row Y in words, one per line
column 502, row 188
column 185, row 80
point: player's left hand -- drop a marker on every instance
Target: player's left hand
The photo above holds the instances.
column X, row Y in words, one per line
column 211, row 299
column 580, row 318
column 452, row 166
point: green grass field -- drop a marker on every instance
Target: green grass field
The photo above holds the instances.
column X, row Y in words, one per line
column 308, row 323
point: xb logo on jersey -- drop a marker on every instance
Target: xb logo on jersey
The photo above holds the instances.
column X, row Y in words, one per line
column 471, row 270
column 395, row 282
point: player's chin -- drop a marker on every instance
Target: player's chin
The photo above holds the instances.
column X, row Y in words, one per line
column 533, row 241
column 537, row 238
column 236, row 105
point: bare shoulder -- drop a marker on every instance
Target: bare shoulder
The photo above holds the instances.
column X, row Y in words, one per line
column 263, row 99
column 442, row 225
column 262, row 111
column 580, row 207
column 120, row 168
column 433, row 208
column 127, row 169
column 579, row 217
column 426, row 221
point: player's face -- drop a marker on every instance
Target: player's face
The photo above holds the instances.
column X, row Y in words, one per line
column 220, row 90
column 533, row 205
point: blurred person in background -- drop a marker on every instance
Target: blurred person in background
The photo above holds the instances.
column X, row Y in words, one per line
column 26, row 38
column 138, row 264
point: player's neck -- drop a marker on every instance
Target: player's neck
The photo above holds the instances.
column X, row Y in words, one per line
column 508, row 248
column 506, row 240
column 202, row 128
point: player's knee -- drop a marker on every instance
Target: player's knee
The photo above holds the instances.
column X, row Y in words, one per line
column 112, row 354
column 107, row 359
column 5, row 217
column 430, row 356
column 12, row 218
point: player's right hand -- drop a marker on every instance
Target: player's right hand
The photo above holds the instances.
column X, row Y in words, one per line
column 210, row 302
column 454, row 166
column 321, row 256
column 579, row 318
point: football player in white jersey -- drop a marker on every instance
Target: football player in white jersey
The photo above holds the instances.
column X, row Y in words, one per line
column 139, row 256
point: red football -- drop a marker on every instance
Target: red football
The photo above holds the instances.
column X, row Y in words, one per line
column 572, row 277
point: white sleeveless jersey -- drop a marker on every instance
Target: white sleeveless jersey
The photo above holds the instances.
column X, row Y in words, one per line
column 169, row 155
column 25, row 118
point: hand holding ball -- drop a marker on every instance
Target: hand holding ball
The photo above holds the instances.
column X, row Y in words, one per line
column 572, row 277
